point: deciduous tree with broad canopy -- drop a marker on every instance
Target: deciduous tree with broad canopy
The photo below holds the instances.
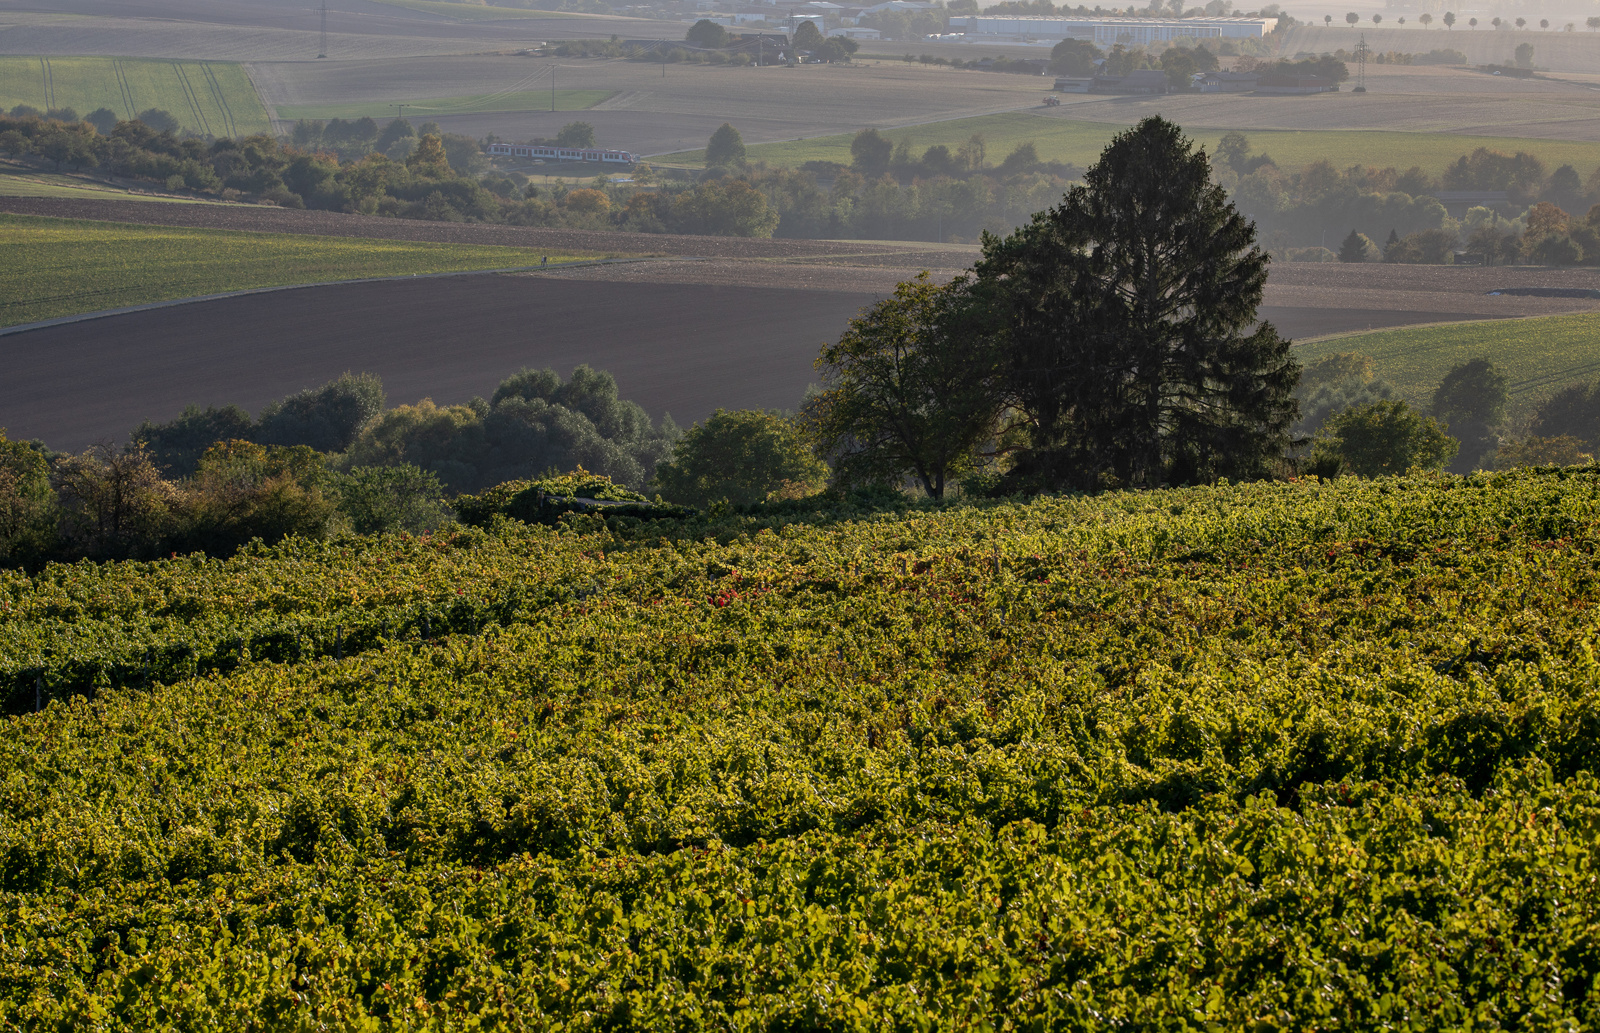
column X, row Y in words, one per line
column 911, row 387
column 1129, row 322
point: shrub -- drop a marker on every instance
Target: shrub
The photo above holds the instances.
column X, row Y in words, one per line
column 742, row 456
column 1383, row 437
column 392, row 498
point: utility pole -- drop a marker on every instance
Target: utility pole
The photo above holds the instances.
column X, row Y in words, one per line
column 322, row 51
column 552, row 87
column 1362, row 50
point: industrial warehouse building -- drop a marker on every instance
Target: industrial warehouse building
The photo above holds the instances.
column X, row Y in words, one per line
column 1106, row 32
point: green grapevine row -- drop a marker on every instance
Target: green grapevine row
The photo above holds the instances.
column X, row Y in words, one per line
column 1268, row 756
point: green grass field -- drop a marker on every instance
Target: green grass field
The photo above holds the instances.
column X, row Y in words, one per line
column 1542, row 354
column 17, row 181
column 475, row 12
column 1080, row 143
column 524, row 100
column 61, row 267
column 213, row 98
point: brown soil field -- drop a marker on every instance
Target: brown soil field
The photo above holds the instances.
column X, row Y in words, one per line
column 725, row 322
column 672, row 350
column 675, row 344
column 655, row 114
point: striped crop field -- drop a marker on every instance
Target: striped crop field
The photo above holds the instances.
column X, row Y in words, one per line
column 1080, row 143
column 521, row 100
column 465, row 12
column 63, row 267
column 211, row 98
column 1542, row 354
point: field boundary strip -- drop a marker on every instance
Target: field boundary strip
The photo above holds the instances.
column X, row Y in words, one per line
column 122, row 81
column 83, row 317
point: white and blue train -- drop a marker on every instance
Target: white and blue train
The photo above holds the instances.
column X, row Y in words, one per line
column 553, row 153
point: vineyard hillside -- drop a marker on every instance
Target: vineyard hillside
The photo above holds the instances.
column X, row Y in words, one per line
column 1268, row 756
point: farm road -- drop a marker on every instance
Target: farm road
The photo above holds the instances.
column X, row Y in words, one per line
column 684, row 351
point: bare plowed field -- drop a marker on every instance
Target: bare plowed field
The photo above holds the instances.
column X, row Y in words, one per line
column 674, row 347
column 671, row 350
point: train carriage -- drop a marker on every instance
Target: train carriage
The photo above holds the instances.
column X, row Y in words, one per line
column 551, row 153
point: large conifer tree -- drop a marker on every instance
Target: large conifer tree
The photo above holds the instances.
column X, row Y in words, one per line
column 1134, row 351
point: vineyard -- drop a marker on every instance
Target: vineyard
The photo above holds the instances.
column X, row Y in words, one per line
column 1282, row 755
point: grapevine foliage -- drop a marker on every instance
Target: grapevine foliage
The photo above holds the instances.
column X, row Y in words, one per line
column 1301, row 755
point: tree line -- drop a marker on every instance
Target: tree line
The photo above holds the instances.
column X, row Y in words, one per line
column 1112, row 342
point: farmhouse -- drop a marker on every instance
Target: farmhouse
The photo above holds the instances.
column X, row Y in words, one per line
column 1073, row 84
column 1106, row 32
column 1295, row 84
column 1144, row 80
column 1229, row 82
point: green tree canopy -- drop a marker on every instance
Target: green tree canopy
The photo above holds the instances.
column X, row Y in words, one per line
column 912, row 388
column 1131, row 318
column 870, row 152
column 1383, row 437
column 1471, row 402
column 576, row 134
column 806, row 37
column 726, row 147
column 1357, row 247
column 707, row 33
column 743, row 456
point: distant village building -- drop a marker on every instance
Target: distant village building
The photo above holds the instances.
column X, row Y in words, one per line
column 1295, row 84
column 1144, row 80
column 1106, row 32
column 1229, row 82
column 1073, row 84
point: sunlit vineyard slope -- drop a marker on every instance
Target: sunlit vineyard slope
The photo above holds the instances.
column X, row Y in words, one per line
column 1247, row 757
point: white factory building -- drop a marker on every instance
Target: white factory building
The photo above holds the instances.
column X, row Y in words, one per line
column 1105, row 32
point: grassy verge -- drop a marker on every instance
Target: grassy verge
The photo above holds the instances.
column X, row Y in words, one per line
column 213, row 98
column 1542, row 354
column 62, row 267
column 524, row 100
column 475, row 12
column 1079, row 142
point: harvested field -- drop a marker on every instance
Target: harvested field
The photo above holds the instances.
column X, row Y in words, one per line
column 651, row 114
column 268, row 219
column 1558, row 51
column 438, row 107
column 1078, row 142
column 670, row 349
column 65, row 267
column 1400, row 99
column 211, row 98
column 234, row 30
column 463, row 12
